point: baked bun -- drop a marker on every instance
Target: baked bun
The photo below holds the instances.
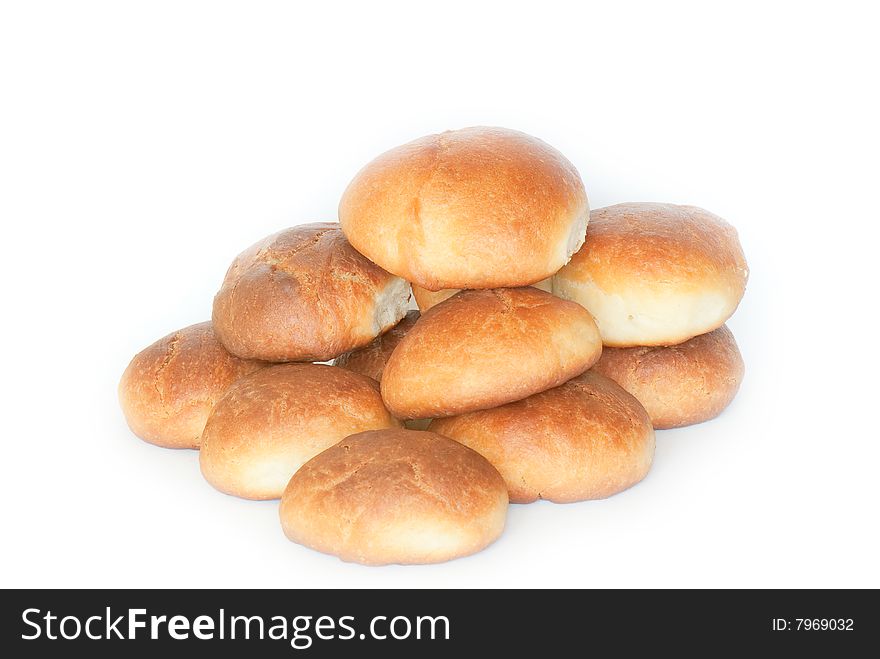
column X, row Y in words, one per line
column 169, row 388
column 370, row 360
column 656, row 274
column 270, row 423
column 305, row 294
column 484, row 348
column 471, row 208
column 682, row 384
column 426, row 299
column 395, row 496
column 586, row 439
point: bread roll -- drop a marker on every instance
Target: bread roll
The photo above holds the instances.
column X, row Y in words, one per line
column 481, row 349
column 586, row 439
column 270, row 423
column 370, row 360
column 395, row 496
column 426, row 299
column 304, row 294
column 471, row 208
column 682, row 384
column 170, row 387
column 656, row 274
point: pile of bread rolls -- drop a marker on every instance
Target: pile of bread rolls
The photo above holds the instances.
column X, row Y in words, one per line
column 548, row 345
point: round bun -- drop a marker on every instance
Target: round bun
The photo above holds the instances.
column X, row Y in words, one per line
column 682, row 384
column 271, row 422
column 305, row 294
column 471, row 208
column 395, row 496
column 426, row 299
column 483, row 348
column 656, row 274
column 586, row 439
column 370, row 360
column 169, row 388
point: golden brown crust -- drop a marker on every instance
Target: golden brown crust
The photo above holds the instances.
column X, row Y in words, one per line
column 426, row 299
column 472, row 208
column 305, row 294
column 667, row 242
column 270, row 423
column 370, row 360
column 483, row 348
column 586, row 439
column 170, row 387
column 395, row 496
column 683, row 384
column 656, row 274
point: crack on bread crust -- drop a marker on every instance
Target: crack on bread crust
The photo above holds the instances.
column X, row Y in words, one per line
column 268, row 255
column 317, row 490
column 169, row 355
column 419, row 483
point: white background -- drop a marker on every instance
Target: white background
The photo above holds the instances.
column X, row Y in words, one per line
column 143, row 145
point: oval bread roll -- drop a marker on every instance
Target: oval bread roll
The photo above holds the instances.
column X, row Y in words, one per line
column 655, row 274
column 272, row 422
column 395, row 496
column 683, row 384
column 170, row 387
column 305, row 294
column 484, row 348
column 472, row 208
column 586, row 439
